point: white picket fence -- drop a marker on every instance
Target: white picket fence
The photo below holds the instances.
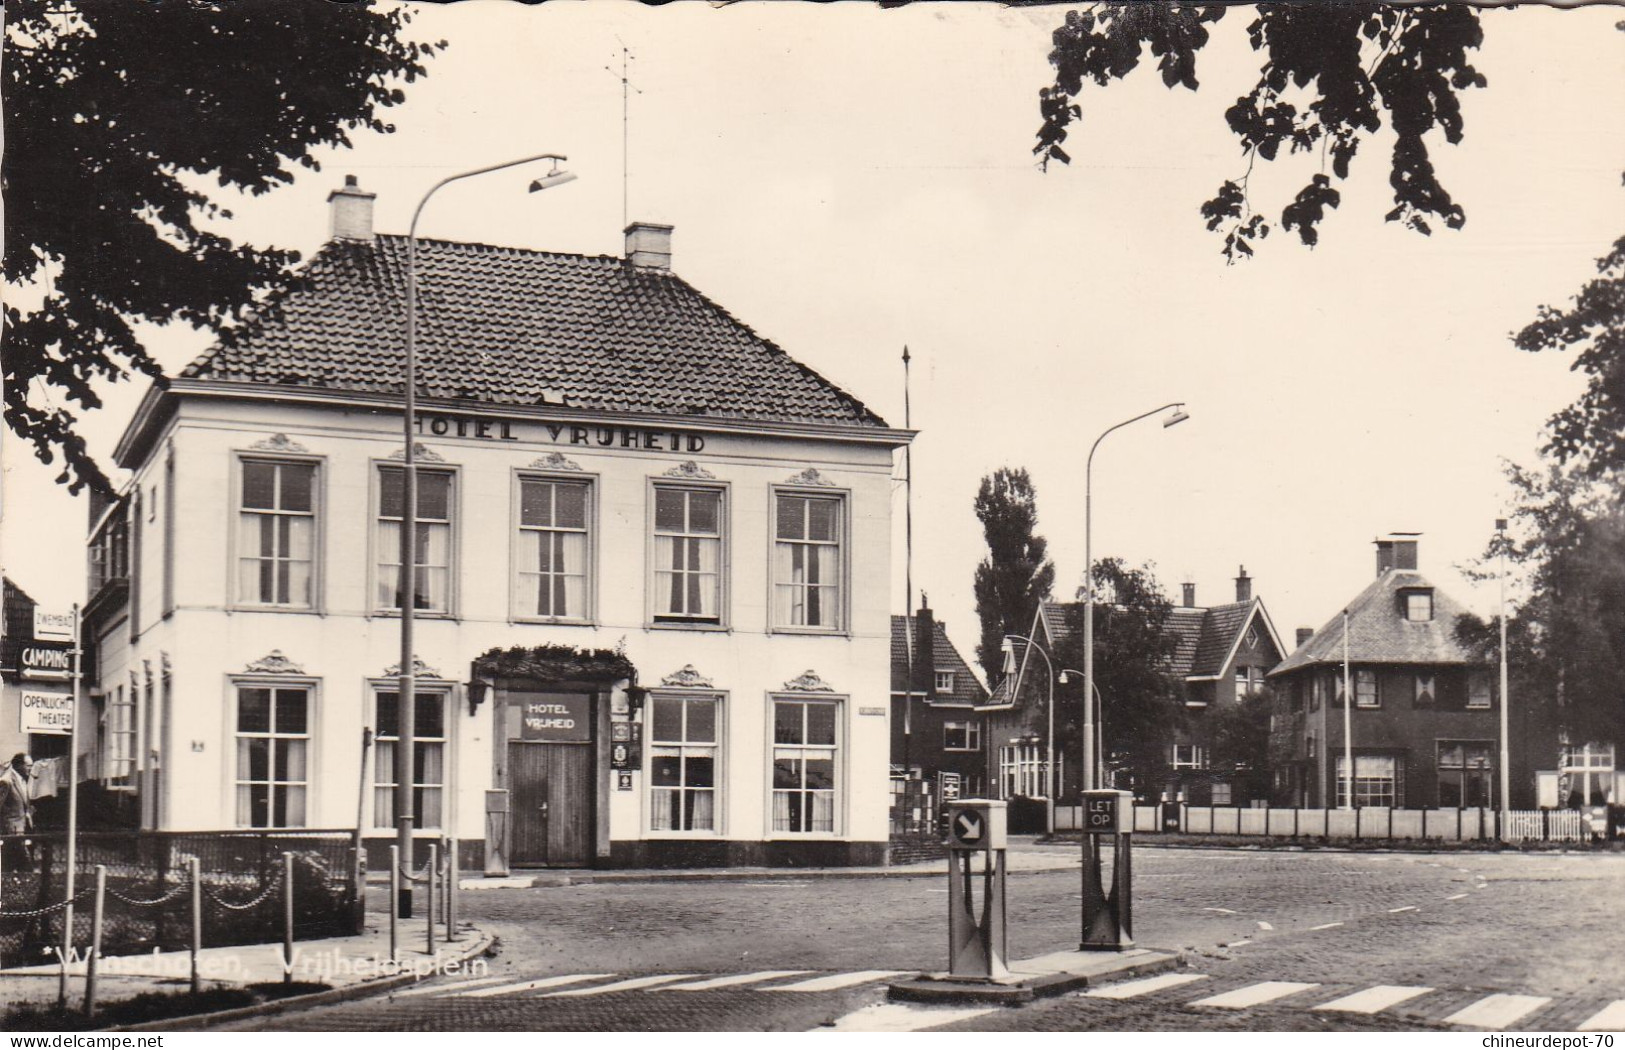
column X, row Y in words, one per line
column 1368, row 823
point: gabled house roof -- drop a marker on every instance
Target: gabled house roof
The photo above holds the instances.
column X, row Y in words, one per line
column 968, row 689
column 1379, row 633
column 510, row 326
column 1205, row 639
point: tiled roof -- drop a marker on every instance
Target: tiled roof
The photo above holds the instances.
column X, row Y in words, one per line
column 968, row 689
column 1186, row 623
column 1220, row 626
column 520, row 327
column 1379, row 632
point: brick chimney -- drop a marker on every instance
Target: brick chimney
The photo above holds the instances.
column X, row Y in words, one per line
column 351, row 212
column 1397, row 550
column 1190, row 594
column 648, row 245
column 1244, row 585
column 1304, row 634
column 925, row 667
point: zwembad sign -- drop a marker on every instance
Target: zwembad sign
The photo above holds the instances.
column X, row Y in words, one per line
column 554, row 718
column 652, row 439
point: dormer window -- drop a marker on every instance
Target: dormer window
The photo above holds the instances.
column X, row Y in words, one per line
column 1418, row 606
column 945, row 681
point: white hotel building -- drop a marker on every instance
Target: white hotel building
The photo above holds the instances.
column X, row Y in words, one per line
column 654, row 569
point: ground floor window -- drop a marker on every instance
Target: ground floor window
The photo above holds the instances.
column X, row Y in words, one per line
column 273, row 743
column 1221, row 794
column 428, row 758
column 1586, row 777
column 1378, row 781
column 806, row 746
column 1465, row 772
column 1022, row 771
column 683, row 763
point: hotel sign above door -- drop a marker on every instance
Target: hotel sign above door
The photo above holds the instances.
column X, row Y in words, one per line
column 648, row 438
column 554, row 718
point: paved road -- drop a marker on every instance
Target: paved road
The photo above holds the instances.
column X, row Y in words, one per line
column 1389, row 941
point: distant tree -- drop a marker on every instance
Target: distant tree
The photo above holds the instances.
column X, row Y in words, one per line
column 1134, row 648
column 1566, row 638
column 1016, row 575
column 1330, row 74
column 117, row 116
column 1241, row 743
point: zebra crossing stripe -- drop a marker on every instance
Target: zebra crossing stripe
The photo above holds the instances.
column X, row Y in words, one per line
column 531, row 986
column 834, row 981
column 1497, row 1011
column 1371, row 1000
column 1144, row 986
column 629, row 984
column 1254, row 994
column 729, row 980
column 448, row 989
column 900, row 1017
column 1610, row 1018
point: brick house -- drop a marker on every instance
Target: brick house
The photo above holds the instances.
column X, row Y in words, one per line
column 1221, row 657
column 936, row 726
column 1424, row 719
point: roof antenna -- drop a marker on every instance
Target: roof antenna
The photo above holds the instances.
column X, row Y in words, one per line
column 626, row 120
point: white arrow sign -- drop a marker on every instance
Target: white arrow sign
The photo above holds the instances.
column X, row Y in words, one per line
column 967, row 827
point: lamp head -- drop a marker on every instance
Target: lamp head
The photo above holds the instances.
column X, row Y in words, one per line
column 1063, row 678
column 556, row 177
column 1179, row 416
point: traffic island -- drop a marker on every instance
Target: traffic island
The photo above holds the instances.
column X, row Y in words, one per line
column 1045, row 975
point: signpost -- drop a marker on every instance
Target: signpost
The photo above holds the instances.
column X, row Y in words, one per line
column 978, row 947
column 1108, row 916
column 48, row 627
column 46, row 712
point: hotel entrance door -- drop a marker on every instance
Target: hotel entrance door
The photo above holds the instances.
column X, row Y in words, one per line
column 550, row 779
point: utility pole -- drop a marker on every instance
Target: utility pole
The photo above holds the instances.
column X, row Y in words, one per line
column 1506, row 765
column 1348, row 718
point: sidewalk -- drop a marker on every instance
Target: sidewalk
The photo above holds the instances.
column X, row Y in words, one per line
column 347, row 966
column 1017, row 861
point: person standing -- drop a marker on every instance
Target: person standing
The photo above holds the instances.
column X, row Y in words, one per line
column 16, row 810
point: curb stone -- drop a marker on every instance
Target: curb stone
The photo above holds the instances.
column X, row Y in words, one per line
column 359, row 990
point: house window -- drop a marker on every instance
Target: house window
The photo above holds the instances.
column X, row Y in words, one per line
column 276, row 533
column 553, row 552
column 433, row 534
column 807, row 562
column 1419, row 606
column 1425, row 691
column 961, row 736
column 1365, row 688
column 1465, row 772
column 688, row 555
column 945, row 681
column 1586, row 776
column 1023, row 771
column 805, row 751
column 1376, row 781
column 119, row 760
column 1317, row 690
column 1309, row 745
column 428, row 757
column 1480, row 692
column 683, row 763
column 169, row 535
column 1249, row 682
column 1189, row 756
column 273, row 741
column 1221, row 794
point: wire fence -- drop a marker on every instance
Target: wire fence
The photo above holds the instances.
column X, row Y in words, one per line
column 147, row 903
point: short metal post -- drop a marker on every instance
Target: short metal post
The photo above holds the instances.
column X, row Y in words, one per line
column 452, row 886
column 434, row 864
column 394, row 895
column 194, row 869
column 95, row 940
column 287, row 918
column 1424, row 824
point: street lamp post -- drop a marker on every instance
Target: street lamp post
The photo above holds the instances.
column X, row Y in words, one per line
column 1506, row 765
column 1050, row 785
column 406, row 694
column 1100, row 721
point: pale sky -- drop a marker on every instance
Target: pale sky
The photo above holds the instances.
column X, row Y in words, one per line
column 848, row 180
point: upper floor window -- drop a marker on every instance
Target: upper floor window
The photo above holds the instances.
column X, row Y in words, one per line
column 807, row 566
column 1418, row 606
column 276, row 533
column 1189, row 756
column 119, row 756
column 1480, row 693
column 688, row 534
column 945, row 681
column 435, row 521
column 1249, row 682
column 961, row 736
column 553, row 549
column 1365, row 688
